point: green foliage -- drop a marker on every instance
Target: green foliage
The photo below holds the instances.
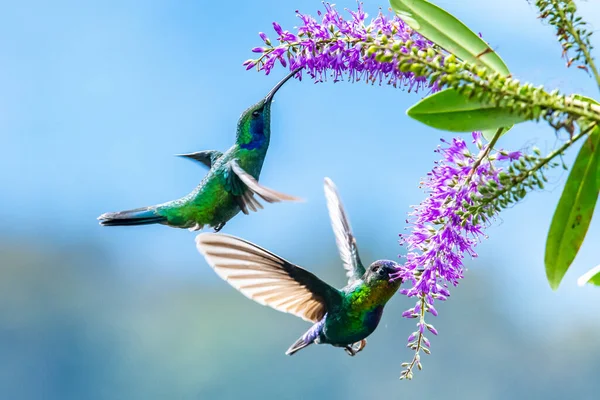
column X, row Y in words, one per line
column 449, row 33
column 452, row 35
column 451, row 111
column 574, row 211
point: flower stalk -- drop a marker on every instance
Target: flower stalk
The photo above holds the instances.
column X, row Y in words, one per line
column 571, row 32
column 336, row 46
column 533, row 103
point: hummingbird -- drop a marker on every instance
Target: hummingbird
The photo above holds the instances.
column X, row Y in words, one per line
column 340, row 317
column 230, row 185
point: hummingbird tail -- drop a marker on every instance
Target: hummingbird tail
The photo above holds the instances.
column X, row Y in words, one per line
column 298, row 345
column 308, row 338
column 139, row 216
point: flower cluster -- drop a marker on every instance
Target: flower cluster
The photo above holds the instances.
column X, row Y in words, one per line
column 387, row 51
column 444, row 230
column 339, row 47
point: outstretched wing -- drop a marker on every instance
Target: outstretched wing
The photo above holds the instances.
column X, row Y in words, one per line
column 267, row 278
column 346, row 242
column 205, row 157
column 245, row 187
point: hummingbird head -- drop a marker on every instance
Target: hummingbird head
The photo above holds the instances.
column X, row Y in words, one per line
column 254, row 126
column 380, row 270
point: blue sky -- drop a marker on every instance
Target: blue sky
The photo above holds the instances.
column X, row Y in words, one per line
column 95, row 98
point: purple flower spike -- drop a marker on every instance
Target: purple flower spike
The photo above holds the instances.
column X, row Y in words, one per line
column 444, row 228
column 336, row 47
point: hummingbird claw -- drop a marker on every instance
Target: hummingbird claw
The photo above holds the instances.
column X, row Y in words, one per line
column 219, row 227
column 361, row 345
column 350, row 351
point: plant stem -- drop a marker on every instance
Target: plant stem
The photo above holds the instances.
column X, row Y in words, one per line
column 485, row 152
column 407, row 373
column 565, row 105
column 539, row 165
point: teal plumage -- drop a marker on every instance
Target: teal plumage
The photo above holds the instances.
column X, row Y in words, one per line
column 342, row 318
column 230, row 186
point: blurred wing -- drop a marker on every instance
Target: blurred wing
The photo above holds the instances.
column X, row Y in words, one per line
column 267, row 278
column 344, row 238
column 245, row 198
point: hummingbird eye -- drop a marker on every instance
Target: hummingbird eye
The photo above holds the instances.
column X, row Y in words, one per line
column 376, row 268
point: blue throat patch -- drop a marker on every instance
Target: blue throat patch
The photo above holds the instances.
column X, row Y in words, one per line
column 257, row 130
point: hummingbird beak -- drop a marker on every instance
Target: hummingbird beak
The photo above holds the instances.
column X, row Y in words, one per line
column 269, row 96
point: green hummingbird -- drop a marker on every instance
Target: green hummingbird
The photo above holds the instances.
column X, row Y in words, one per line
column 231, row 182
column 342, row 318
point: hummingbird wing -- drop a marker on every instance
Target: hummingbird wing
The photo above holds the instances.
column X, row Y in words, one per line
column 267, row 278
column 346, row 242
column 245, row 198
column 206, row 157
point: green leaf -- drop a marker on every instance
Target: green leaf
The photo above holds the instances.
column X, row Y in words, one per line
column 574, row 211
column 489, row 134
column 592, row 276
column 448, row 32
column 451, row 111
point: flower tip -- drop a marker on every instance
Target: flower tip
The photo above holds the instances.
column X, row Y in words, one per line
column 277, row 28
column 258, row 50
column 249, row 64
column 432, row 310
column 432, row 329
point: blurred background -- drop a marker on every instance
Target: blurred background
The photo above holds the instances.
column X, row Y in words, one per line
column 96, row 97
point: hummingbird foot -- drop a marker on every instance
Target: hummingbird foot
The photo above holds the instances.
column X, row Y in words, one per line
column 351, row 352
column 196, row 227
column 219, row 227
column 355, row 348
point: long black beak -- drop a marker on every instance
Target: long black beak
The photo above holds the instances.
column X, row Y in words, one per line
column 269, row 96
